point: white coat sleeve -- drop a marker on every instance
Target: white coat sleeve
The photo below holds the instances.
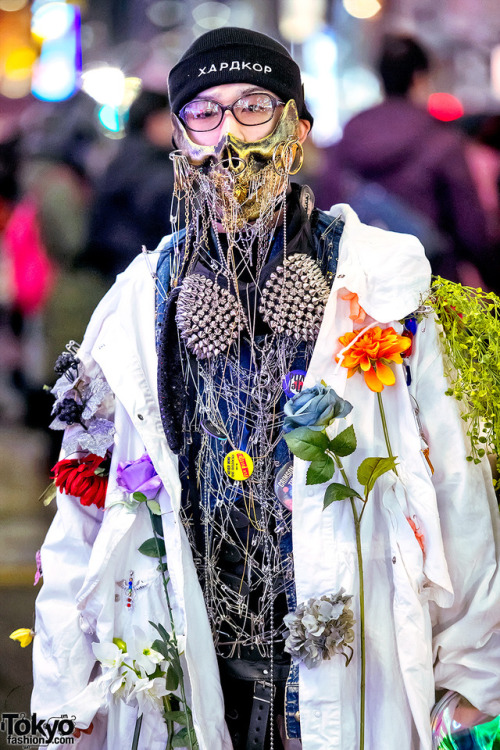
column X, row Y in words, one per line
column 62, row 655
column 466, row 637
column 63, row 659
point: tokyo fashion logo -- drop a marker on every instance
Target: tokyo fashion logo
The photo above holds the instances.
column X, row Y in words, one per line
column 29, row 730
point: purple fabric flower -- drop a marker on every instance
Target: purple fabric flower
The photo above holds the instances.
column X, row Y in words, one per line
column 38, row 573
column 139, row 476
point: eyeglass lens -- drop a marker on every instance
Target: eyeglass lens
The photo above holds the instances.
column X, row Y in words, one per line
column 204, row 114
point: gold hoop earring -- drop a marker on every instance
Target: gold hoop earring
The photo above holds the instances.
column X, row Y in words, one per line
column 286, row 156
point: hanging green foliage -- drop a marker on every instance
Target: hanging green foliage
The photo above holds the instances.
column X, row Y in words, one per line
column 470, row 319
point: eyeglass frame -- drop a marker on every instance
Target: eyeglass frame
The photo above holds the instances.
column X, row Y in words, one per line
column 225, row 107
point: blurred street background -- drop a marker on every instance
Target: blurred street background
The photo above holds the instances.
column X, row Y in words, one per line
column 86, row 180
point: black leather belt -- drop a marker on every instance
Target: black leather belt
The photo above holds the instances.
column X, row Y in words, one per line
column 263, row 695
column 251, row 671
column 258, row 672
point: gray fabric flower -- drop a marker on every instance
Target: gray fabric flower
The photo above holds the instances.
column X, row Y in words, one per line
column 315, row 408
column 97, row 438
column 321, row 628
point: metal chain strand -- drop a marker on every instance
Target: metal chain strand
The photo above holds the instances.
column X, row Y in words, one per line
column 237, row 398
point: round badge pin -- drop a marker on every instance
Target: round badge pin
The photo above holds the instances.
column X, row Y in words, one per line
column 293, row 382
column 238, row 465
column 283, row 485
column 212, row 430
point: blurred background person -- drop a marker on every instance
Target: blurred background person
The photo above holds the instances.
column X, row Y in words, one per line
column 402, row 169
column 47, row 230
column 483, row 158
column 131, row 205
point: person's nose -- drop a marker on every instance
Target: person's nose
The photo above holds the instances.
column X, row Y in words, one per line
column 231, row 125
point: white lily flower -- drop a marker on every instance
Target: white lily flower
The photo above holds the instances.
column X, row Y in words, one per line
column 108, row 654
column 148, row 659
column 140, row 649
column 149, row 693
column 123, row 684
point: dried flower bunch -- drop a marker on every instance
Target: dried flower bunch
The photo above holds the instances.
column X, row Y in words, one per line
column 321, row 628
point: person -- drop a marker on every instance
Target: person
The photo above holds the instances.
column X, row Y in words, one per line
column 404, row 170
column 131, row 205
column 188, row 368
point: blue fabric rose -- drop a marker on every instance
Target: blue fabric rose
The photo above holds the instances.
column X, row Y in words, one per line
column 315, row 408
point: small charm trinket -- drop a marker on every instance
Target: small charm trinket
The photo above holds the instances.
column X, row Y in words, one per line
column 127, row 584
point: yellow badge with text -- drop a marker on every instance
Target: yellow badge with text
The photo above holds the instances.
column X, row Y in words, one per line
column 238, row 465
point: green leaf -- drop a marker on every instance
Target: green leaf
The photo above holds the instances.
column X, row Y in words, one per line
column 307, row 444
column 157, row 525
column 176, row 664
column 182, row 739
column 151, row 546
column 178, row 716
column 345, row 443
column 373, row 468
column 336, row 491
column 171, row 679
column 48, row 494
column 161, row 647
column 320, row 470
column 140, row 497
column 154, row 507
column 161, row 630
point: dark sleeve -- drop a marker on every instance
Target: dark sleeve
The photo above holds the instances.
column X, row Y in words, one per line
column 461, row 216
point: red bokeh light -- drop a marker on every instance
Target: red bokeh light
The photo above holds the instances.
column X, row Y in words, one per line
column 445, row 107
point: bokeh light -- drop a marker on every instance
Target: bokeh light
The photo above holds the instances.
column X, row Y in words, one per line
column 445, row 107
column 495, row 71
column 105, row 84
column 211, row 15
column 359, row 90
column 321, row 86
column 52, row 21
column 362, row 8
column 300, row 20
column 12, row 5
column 19, row 62
column 110, row 119
column 56, row 72
column 53, row 77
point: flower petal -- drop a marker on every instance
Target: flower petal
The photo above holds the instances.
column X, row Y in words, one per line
column 373, row 382
column 385, row 374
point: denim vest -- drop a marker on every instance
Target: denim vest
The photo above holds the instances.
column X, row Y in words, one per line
column 326, row 233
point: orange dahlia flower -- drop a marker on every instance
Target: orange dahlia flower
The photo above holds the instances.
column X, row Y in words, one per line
column 372, row 353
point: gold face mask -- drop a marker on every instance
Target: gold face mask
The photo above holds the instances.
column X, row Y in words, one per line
column 245, row 176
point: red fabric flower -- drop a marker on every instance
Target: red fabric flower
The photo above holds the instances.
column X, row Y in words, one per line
column 76, row 476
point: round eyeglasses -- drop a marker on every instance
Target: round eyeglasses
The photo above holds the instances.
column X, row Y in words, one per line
column 202, row 115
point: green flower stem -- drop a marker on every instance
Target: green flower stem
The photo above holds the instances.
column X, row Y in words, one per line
column 164, row 569
column 169, row 723
column 363, row 509
column 386, row 431
column 137, row 732
column 357, row 527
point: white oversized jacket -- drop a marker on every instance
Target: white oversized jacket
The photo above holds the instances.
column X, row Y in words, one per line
column 431, row 621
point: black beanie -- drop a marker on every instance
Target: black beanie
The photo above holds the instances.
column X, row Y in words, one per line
column 233, row 55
